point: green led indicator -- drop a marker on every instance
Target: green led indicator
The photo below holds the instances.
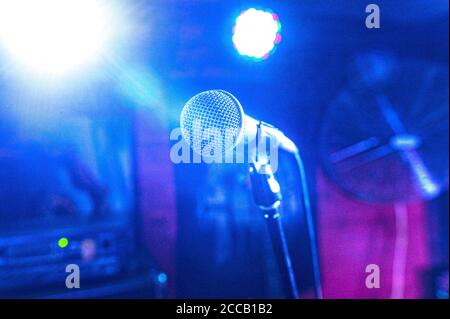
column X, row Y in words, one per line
column 63, row 242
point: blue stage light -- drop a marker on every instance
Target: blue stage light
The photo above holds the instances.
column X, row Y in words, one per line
column 54, row 36
column 162, row 278
column 256, row 33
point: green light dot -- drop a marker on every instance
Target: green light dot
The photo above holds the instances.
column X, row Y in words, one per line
column 63, row 242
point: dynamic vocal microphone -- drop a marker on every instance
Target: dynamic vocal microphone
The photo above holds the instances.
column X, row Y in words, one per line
column 219, row 111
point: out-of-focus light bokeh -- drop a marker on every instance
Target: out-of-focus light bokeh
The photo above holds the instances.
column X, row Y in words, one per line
column 55, row 36
column 256, row 33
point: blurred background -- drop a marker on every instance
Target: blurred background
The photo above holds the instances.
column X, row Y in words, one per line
column 90, row 90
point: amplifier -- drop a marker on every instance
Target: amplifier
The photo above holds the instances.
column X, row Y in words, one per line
column 38, row 260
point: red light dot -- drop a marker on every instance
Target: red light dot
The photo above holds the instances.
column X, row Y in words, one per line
column 278, row 38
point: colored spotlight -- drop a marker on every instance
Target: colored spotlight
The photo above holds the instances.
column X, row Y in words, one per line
column 54, row 36
column 256, row 33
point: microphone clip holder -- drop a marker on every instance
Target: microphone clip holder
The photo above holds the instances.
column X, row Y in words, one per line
column 265, row 188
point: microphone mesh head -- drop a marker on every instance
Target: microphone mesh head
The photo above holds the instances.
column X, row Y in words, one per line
column 212, row 122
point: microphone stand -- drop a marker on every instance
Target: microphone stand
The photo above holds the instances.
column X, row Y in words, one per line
column 267, row 195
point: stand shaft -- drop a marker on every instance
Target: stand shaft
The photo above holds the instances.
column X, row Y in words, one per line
column 279, row 243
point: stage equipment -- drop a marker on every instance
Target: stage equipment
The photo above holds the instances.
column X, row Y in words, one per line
column 218, row 110
column 385, row 138
column 256, row 33
column 67, row 190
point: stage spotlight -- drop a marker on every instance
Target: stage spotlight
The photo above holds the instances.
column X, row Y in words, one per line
column 256, row 33
column 54, row 36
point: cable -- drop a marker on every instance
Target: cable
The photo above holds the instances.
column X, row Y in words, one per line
column 310, row 224
column 400, row 251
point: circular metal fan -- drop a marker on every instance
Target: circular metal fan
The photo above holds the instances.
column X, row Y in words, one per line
column 385, row 138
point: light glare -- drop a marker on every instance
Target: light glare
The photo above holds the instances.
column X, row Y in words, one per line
column 54, row 36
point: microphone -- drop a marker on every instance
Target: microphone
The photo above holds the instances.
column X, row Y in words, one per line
column 219, row 114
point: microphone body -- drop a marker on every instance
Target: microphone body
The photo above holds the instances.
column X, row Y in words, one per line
column 219, row 113
column 251, row 132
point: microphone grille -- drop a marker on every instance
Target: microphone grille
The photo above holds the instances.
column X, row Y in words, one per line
column 212, row 122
